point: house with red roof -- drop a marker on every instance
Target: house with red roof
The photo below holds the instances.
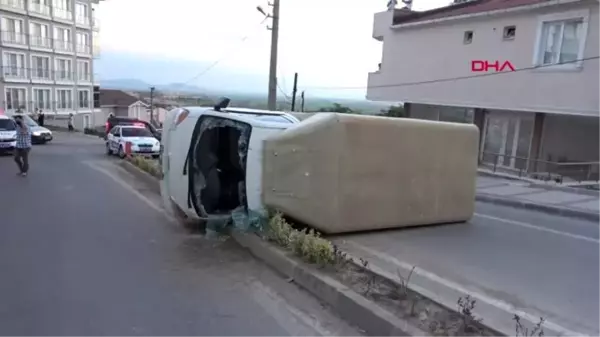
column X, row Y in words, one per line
column 526, row 72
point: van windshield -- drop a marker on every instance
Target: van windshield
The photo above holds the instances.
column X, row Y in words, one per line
column 7, row 125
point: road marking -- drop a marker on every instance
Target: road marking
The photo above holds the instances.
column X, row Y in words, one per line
column 500, row 304
column 276, row 306
column 129, row 188
column 539, row 228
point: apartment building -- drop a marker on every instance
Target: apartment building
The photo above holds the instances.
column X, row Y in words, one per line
column 47, row 55
column 541, row 118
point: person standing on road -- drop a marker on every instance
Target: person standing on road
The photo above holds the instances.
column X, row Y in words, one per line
column 71, row 122
column 41, row 117
column 23, row 146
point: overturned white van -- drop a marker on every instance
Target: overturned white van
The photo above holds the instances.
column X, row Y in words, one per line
column 334, row 172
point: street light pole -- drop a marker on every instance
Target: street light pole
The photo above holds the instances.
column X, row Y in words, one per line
column 152, row 105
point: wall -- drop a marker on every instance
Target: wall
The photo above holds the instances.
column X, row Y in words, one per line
column 436, row 51
column 570, row 139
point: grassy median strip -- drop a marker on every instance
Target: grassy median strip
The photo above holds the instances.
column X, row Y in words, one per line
column 147, row 165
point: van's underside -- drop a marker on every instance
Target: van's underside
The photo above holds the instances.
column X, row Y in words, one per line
column 218, row 166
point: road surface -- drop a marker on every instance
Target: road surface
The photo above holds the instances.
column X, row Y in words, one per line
column 535, row 263
column 81, row 254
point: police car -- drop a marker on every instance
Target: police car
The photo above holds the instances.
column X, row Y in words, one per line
column 8, row 134
column 142, row 141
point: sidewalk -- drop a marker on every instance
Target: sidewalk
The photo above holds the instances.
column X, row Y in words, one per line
column 552, row 199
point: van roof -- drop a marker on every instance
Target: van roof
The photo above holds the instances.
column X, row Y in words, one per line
column 235, row 110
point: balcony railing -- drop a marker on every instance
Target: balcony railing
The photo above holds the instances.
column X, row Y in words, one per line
column 61, row 45
column 41, row 74
column 82, row 20
column 83, row 49
column 62, row 13
column 63, row 75
column 40, row 41
column 83, row 77
column 13, row 4
column 13, row 37
column 39, row 8
column 17, row 73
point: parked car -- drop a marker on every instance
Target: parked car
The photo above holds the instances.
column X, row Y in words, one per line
column 114, row 121
column 8, row 134
column 39, row 134
column 142, row 141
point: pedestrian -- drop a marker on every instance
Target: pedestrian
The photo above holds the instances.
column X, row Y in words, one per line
column 71, row 122
column 23, row 146
column 41, row 117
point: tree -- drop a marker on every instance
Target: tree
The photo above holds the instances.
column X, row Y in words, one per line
column 393, row 111
column 336, row 107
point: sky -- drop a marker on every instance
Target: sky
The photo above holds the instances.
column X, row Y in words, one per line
column 327, row 42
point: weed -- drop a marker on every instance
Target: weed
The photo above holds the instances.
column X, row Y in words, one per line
column 520, row 330
column 369, row 278
column 466, row 306
column 404, row 282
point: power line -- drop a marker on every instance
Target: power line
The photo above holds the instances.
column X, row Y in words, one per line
column 214, row 64
column 454, row 78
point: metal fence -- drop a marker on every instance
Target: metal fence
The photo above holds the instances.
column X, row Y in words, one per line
column 559, row 172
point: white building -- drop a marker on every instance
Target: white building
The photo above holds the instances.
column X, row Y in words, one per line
column 536, row 119
column 47, row 49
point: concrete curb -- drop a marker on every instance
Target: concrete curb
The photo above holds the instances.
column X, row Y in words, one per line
column 539, row 184
column 149, row 180
column 351, row 306
column 550, row 209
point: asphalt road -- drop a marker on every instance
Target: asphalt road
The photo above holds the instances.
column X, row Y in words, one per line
column 81, row 254
column 538, row 264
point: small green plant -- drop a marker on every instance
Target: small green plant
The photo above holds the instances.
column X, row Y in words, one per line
column 403, row 283
column 146, row 165
column 520, row 330
column 307, row 244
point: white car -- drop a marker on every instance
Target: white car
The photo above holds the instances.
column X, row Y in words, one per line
column 8, row 134
column 142, row 141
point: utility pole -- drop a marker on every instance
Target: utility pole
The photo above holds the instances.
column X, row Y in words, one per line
column 294, row 91
column 302, row 101
column 272, row 98
column 152, row 105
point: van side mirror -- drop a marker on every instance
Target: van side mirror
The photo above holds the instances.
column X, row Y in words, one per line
column 222, row 104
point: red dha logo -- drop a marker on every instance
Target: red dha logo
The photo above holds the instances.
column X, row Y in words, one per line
column 484, row 66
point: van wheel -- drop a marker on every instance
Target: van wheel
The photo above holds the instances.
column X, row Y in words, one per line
column 121, row 152
column 108, row 150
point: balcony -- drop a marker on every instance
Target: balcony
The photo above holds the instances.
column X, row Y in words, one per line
column 63, row 46
column 63, row 75
column 14, row 38
column 15, row 5
column 63, row 14
column 83, row 77
column 14, row 73
column 82, row 20
column 40, row 41
column 95, row 24
column 41, row 74
column 41, row 9
column 83, row 49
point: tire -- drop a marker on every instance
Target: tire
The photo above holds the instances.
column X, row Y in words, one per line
column 121, row 152
column 108, row 150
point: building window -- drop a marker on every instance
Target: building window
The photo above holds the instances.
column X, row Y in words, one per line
column 13, row 31
column 561, row 42
column 40, row 67
column 40, row 6
column 84, row 99
column 509, row 33
column 13, row 65
column 468, row 37
column 41, row 99
column 39, row 34
column 64, row 99
column 63, row 9
column 81, row 13
column 63, row 39
column 64, row 70
column 15, row 98
column 83, row 43
column 83, row 71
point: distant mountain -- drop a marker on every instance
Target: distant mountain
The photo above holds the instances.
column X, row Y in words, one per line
column 139, row 85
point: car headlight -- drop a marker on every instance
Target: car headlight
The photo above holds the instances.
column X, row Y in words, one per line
column 37, row 133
